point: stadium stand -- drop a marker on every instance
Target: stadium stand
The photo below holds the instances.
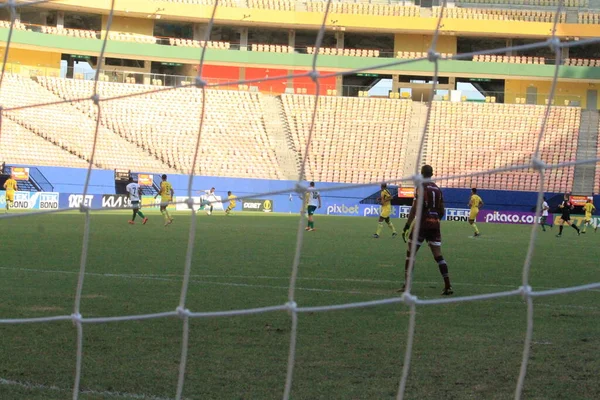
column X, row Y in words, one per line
column 223, row 3
column 272, row 48
column 526, row 3
column 582, row 62
column 234, row 141
column 354, row 140
column 81, row 33
column 131, row 37
column 388, row 10
column 498, row 14
column 18, row 25
column 465, row 137
column 21, row 146
column 344, row 52
column 72, row 130
column 280, row 5
column 199, row 43
column 418, row 54
column 509, row 59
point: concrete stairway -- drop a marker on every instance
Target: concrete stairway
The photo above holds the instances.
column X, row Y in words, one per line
column 587, row 148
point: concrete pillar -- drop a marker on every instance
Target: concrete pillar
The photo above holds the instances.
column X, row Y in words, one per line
column 60, row 19
column 292, row 44
column 339, row 40
column 200, row 31
column 395, row 83
column 243, row 39
column 452, row 83
column 509, row 43
column 338, row 85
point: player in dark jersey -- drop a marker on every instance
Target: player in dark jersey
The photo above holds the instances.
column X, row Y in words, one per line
column 565, row 218
column 429, row 229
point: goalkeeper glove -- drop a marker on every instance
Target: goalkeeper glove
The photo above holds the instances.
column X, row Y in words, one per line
column 405, row 232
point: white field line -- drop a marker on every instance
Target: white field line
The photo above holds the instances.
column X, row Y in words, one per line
column 177, row 278
column 104, row 393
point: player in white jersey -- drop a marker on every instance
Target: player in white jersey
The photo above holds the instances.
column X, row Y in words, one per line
column 135, row 192
column 312, row 200
column 207, row 200
column 545, row 209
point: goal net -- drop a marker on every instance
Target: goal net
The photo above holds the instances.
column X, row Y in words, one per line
column 181, row 312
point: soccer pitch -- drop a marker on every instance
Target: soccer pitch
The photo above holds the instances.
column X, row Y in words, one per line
column 461, row 351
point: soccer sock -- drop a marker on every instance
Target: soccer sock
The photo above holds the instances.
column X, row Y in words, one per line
column 141, row 214
column 312, row 224
column 167, row 213
column 211, row 208
column 443, row 270
column 379, row 228
column 560, row 230
column 391, row 226
column 575, row 227
column 475, row 228
column 584, row 227
column 134, row 214
column 164, row 214
column 407, row 262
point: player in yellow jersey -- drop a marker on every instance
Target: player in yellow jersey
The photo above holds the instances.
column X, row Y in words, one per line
column 385, row 198
column 11, row 187
column 475, row 203
column 589, row 209
column 232, row 203
column 166, row 196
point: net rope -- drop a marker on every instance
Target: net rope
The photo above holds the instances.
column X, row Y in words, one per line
column 291, row 307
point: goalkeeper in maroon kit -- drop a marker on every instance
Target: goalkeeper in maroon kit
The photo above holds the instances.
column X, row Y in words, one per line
column 429, row 229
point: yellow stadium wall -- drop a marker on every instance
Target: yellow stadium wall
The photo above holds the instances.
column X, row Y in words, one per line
column 130, row 25
column 21, row 61
column 233, row 15
column 411, row 42
column 564, row 91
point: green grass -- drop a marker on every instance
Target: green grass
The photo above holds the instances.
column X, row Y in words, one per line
column 461, row 351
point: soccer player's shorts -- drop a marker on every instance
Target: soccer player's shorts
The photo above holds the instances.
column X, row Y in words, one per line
column 430, row 232
column 10, row 196
column 473, row 215
column 385, row 212
column 231, row 207
column 566, row 217
column 587, row 220
column 135, row 205
column 311, row 210
column 543, row 219
column 164, row 202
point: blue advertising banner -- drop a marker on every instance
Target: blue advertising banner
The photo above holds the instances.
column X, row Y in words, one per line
column 73, row 200
column 32, row 200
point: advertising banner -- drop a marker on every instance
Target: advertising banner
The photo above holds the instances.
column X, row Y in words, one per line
column 506, row 217
column 151, row 202
column 20, row 173
column 406, row 192
column 115, row 201
column 457, row 214
column 578, row 220
column 257, row 205
column 145, row 179
column 579, row 201
column 33, row 200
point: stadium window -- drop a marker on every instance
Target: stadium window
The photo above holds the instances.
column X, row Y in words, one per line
column 585, row 51
column 173, row 30
column 306, row 39
column 470, row 45
column 34, row 16
column 383, row 43
column 90, row 22
column 268, row 36
column 123, row 62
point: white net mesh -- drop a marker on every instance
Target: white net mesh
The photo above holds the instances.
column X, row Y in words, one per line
column 182, row 312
